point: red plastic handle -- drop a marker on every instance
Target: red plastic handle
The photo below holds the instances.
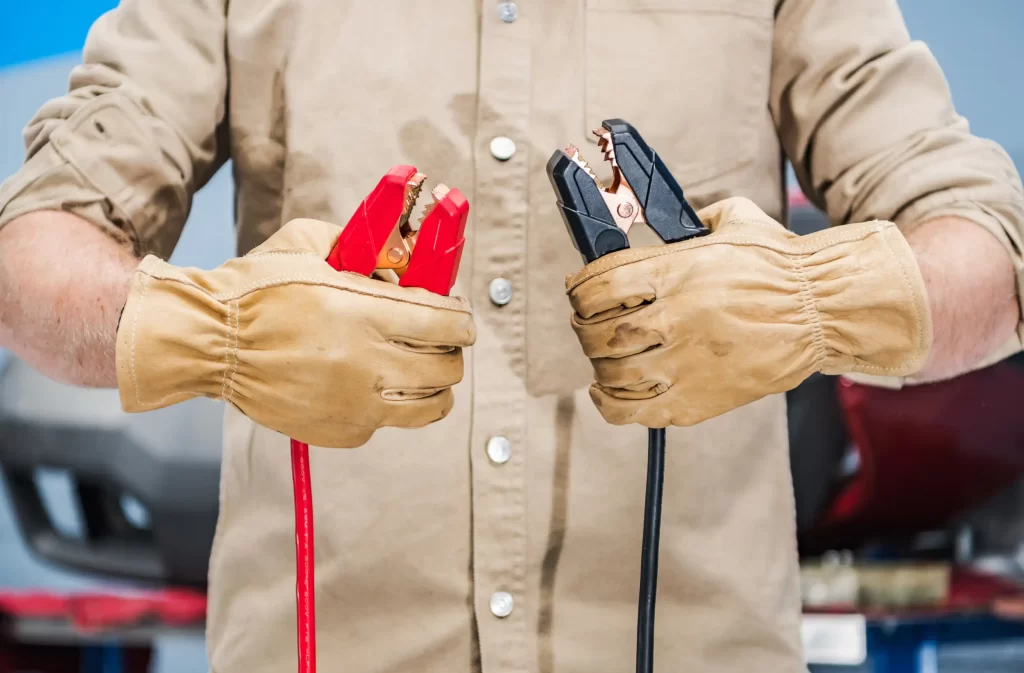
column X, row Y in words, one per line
column 369, row 227
column 435, row 259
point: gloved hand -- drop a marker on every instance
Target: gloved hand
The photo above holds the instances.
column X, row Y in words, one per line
column 322, row 356
column 684, row 332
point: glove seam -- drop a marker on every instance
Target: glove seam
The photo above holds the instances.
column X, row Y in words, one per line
column 227, row 355
column 451, row 304
column 641, row 254
column 227, row 379
column 233, row 331
column 135, row 324
column 284, row 252
column 810, row 308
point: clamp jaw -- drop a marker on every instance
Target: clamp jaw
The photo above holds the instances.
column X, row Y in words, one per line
column 642, row 189
column 379, row 236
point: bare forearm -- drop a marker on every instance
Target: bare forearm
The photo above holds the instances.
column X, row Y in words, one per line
column 63, row 283
column 972, row 292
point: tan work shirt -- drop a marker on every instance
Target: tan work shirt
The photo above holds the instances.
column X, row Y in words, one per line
column 507, row 537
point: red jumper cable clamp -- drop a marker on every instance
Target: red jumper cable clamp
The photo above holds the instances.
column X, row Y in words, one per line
column 378, row 238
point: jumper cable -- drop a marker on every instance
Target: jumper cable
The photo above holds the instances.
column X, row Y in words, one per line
column 598, row 218
column 378, row 238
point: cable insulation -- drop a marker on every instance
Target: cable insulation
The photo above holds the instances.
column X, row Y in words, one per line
column 649, row 553
column 305, row 605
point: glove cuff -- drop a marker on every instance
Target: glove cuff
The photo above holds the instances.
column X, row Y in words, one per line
column 174, row 341
column 867, row 300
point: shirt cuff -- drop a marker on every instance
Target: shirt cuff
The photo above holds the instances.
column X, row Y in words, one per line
column 100, row 165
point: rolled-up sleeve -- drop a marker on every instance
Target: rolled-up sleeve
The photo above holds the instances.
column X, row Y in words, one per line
column 867, row 119
column 137, row 133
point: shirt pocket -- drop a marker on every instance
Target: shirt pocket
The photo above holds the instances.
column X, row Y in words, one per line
column 691, row 75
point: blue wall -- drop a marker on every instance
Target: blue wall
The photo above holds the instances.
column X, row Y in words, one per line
column 977, row 42
column 33, row 30
column 979, row 45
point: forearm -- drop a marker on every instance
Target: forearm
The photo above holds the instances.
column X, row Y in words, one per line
column 63, row 283
column 971, row 290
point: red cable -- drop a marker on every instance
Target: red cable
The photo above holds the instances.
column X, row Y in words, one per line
column 305, row 605
column 443, row 230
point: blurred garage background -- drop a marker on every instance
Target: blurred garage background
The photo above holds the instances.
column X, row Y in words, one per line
column 138, row 514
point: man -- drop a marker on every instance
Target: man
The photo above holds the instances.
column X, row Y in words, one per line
column 505, row 537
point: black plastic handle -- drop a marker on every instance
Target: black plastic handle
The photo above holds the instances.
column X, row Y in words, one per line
column 590, row 224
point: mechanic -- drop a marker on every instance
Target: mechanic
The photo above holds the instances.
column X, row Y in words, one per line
column 505, row 536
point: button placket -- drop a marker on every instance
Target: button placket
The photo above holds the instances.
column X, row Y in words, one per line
column 499, row 393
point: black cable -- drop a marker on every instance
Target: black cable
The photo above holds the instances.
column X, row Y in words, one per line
column 649, row 554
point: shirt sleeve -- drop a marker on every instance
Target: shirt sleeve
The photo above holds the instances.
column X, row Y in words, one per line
column 866, row 117
column 138, row 131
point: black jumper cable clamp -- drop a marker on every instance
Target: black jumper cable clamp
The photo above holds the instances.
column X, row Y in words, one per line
column 598, row 218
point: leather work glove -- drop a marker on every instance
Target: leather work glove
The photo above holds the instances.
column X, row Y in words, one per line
column 681, row 333
column 323, row 356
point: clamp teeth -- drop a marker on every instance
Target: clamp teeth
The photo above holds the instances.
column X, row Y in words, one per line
column 618, row 196
column 412, row 194
column 573, row 153
column 604, row 141
column 439, row 192
column 426, row 211
column 412, row 191
column 436, row 194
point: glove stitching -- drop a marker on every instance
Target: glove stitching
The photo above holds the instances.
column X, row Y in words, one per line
column 446, row 303
column 226, row 389
column 284, row 253
column 273, row 281
column 175, row 276
column 233, row 334
column 641, row 254
column 811, row 310
column 227, row 355
column 135, row 324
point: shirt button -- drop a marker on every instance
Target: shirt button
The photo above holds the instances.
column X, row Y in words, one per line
column 500, row 291
column 499, row 450
column 501, row 604
column 502, row 148
column 508, row 11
